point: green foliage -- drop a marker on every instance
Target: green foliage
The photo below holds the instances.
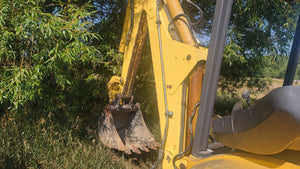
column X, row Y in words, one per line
column 53, row 85
column 275, row 67
column 224, row 103
column 256, row 29
column 144, row 88
column 108, row 18
column 42, row 52
column 57, row 56
column 264, row 26
column 238, row 71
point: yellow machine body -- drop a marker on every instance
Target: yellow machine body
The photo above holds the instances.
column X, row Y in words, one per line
column 180, row 60
column 288, row 159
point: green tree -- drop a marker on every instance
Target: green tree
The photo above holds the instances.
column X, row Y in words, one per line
column 44, row 56
column 275, row 67
column 52, row 86
column 256, row 29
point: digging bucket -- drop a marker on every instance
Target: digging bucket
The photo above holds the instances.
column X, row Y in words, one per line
column 122, row 127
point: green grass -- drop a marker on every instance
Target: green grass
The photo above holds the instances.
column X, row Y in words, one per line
column 225, row 101
column 28, row 141
column 44, row 144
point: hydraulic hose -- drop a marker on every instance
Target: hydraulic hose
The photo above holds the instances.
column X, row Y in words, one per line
column 180, row 155
column 167, row 113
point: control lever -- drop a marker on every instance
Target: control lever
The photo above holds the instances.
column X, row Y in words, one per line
column 246, row 96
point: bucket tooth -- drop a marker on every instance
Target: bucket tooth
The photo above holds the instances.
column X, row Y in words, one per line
column 122, row 127
column 153, row 147
column 143, row 147
column 134, row 148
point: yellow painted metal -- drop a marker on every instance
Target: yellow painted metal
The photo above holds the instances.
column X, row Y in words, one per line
column 242, row 160
column 195, row 78
column 179, row 60
column 115, row 87
column 177, row 69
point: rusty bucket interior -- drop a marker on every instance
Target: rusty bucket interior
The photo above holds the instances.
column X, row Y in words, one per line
column 122, row 127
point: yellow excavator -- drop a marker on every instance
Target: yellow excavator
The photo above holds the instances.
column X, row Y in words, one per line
column 265, row 135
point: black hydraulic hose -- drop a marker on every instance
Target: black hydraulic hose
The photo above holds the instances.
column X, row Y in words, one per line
column 180, row 155
column 199, row 9
column 187, row 24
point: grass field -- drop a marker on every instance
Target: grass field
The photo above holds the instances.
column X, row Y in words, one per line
column 43, row 141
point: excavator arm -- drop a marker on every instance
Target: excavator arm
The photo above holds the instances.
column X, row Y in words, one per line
column 178, row 65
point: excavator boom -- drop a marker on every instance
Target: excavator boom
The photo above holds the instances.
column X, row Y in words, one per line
column 185, row 98
column 122, row 126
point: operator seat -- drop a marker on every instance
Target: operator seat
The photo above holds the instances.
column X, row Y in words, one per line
column 270, row 126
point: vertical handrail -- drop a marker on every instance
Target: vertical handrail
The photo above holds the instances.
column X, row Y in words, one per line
column 211, row 77
column 294, row 57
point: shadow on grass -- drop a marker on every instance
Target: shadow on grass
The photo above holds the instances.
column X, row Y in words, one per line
column 143, row 160
column 10, row 162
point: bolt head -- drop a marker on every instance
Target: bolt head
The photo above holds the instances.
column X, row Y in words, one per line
column 188, row 57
